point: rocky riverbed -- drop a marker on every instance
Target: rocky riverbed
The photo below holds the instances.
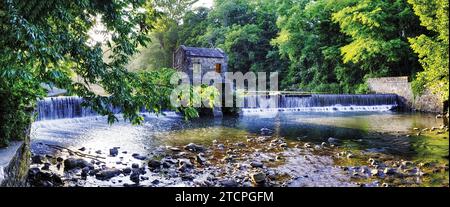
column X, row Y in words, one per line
column 260, row 160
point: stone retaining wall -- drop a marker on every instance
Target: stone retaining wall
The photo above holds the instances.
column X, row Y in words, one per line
column 427, row 102
column 15, row 162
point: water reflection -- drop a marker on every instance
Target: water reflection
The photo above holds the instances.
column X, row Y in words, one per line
column 372, row 131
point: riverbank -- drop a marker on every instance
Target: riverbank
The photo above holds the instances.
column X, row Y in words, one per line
column 261, row 160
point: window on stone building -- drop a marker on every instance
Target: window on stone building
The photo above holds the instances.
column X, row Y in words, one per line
column 218, row 68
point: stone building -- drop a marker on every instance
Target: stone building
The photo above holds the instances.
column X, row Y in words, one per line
column 188, row 59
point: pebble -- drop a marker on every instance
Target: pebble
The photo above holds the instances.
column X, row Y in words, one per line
column 107, row 174
column 256, row 164
column 258, row 177
column 390, row 171
column 229, row 183
column 154, row 164
column 138, row 156
column 374, row 172
column 127, row 171
column 134, row 177
column 194, row 147
column 174, row 149
column 114, row 152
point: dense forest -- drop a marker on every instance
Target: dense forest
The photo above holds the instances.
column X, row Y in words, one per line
column 327, row 46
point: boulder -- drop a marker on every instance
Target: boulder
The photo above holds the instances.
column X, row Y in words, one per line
column 37, row 159
column 194, row 147
column 258, row 177
column 256, row 164
column 114, row 151
column 107, row 174
column 154, row 164
column 138, row 156
column 72, row 163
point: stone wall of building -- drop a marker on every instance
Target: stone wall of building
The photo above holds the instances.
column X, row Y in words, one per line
column 427, row 102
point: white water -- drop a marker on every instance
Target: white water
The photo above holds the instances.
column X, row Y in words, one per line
column 71, row 107
column 321, row 103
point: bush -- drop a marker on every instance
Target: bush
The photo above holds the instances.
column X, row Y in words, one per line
column 16, row 110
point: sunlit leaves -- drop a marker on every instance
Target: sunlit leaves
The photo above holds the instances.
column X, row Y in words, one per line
column 432, row 49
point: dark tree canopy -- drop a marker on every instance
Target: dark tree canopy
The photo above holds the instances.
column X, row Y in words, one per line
column 48, row 42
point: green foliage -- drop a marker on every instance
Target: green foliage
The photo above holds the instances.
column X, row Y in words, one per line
column 432, row 48
column 48, row 42
column 311, row 41
column 379, row 32
column 244, row 30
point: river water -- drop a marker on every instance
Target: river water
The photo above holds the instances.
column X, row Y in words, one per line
column 321, row 140
column 385, row 132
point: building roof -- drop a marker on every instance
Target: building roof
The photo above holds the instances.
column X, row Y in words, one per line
column 203, row 52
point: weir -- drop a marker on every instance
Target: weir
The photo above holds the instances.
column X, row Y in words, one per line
column 321, row 103
column 71, row 106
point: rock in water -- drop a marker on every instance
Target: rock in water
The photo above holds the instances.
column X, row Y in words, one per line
column 138, row 156
column 200, row 159
column 186, row 162
column 126, row 171
column 390, row 171
column 46, row 166
column 265, row 131
column 113, row 152
column 107, row 174
column 154, row 164
column 256, row 164
column 332, row 140
column 258, row 177
column 374, row 172
column 37, row 159
column 43, row 179
column 135, row 176
column 72, row 163
column 195, row 148
column 229, row 183
column 174, row 149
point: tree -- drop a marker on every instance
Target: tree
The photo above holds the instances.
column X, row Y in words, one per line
column 311, row 42
column 432, row 48
column 48, row 42
column 379, row 32
column 244, row 30
column 167, row 33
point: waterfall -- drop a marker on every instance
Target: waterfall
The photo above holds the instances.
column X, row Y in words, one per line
column 62, row 107
column 65, row 107
column 70, row 106
column 322, row 103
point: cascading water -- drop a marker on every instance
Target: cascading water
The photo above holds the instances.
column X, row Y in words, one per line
column 70, row 106
column 321, row 103
column 65, row 107
column 62, row 107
